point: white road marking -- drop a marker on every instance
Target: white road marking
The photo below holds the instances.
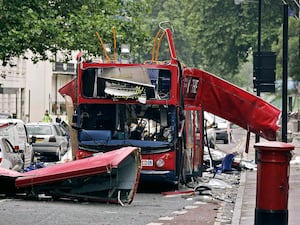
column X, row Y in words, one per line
column 166, row 218
column 180, row 212
column 191, row 207
column 200, row 203
column 154, row 224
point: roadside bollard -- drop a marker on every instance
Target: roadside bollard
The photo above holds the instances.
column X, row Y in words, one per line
column 272, row 184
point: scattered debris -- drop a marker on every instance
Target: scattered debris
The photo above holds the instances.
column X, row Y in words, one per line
column 34, row 166
column 217, row 183
column 296, row 160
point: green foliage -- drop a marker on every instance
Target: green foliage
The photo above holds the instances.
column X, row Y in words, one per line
column 293, row 50
column 218, row 35
column 49, row 26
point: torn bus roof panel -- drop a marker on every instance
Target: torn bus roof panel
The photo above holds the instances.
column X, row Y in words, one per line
column 234, row 104
column 133, row 74
column 106, row 177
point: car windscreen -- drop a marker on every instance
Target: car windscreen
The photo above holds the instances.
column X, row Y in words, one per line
column 39, row 130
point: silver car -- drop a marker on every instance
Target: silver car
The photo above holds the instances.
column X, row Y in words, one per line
column 223, row 130
column 15, row 131
column 48, row 138
column 9, row 157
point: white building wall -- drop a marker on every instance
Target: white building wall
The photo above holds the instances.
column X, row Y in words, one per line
column 33, row 87
column 58, row 81
column 13, row 77
column 38, row 86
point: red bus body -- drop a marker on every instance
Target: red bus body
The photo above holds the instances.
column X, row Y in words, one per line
column 164, row 103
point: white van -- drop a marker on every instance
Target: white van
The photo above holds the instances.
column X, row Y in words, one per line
column 15, row 131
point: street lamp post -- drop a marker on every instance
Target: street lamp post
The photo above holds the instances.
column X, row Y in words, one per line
column 284, row 73
column 259, row 55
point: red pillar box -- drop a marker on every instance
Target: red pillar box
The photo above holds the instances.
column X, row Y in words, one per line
column 272, row 185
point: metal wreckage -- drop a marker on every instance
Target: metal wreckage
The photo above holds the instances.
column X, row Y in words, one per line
column 132, row 123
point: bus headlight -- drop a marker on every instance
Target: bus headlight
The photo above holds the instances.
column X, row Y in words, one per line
column 160, row 163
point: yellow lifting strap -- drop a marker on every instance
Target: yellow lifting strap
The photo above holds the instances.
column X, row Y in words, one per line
column 156, row 44
column 115, row 44
column 103, row 47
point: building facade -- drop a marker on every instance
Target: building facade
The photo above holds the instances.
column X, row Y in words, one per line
column 28, row 89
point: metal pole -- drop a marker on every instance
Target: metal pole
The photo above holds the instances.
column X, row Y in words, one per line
column 29, row 98
column 16, row 103
column 284, row 72
column 259, row 55
column 259, row 28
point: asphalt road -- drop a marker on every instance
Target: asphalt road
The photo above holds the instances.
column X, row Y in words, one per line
column 145, row 208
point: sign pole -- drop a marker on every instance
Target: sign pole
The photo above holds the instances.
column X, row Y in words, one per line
column 284, row 72
column 258, row 53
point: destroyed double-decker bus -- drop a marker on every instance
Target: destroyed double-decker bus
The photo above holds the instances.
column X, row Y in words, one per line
column 158, row 107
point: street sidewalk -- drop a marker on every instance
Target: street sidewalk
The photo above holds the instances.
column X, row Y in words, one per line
column 245, row 204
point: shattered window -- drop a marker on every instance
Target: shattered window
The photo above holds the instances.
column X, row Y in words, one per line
column 130, row 121
column 126, row 83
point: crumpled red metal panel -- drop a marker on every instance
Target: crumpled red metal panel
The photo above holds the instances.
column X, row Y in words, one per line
column 234, row 104
column 106, row 177
column 70, row 89
column 9, row 173
column 85, row 167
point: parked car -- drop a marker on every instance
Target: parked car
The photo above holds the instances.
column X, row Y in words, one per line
column 9, row 157
column 15, row 131
column 209, row 125
column 48, row 139
column 223, row 130
column 211, row 137
column 4, row 116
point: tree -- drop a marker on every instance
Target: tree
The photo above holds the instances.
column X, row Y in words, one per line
column 177, row 13
column 293, row 50
column 219, row 29
column 219, row 35
column 50, row 26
